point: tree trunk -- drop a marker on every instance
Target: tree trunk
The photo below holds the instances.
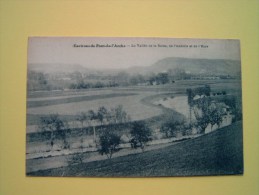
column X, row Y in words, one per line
column 190, row 114
column 94, row 134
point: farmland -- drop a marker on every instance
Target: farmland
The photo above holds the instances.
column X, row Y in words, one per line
column 216, row 153
column 140, row 102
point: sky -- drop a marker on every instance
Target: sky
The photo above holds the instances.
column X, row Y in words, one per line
column 87, row 51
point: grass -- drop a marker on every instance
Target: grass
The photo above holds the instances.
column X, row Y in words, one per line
column 34, row 119
column 217, row 153
column 31, row 104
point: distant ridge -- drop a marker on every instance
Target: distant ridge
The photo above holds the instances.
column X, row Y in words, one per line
column 195, row 66
column 55, row 68
column 190, row 65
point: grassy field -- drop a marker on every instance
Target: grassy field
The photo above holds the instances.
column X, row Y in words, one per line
column 132, row 104
column 220, row 152
column 31, row 104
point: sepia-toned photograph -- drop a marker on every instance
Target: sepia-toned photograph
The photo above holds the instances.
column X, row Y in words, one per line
column 133, row 107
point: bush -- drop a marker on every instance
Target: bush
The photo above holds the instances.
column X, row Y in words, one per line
column 140, row 134
column 171, row 127
column 109, row 143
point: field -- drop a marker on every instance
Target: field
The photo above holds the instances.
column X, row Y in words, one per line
column 145, row 103
column 216, row 153
column 74, row 102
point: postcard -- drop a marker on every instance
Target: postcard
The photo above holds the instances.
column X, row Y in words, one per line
column 133, row 107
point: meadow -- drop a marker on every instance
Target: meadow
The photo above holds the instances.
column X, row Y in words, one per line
column 219, row 152
column 142, row 103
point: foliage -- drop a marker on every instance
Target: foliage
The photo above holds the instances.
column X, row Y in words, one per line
column 140, row 134
column 202, row 90
column 37, row 81
column 109, row 143
column 171, row 126
column 53, row 123
column 216, row 112
column 82, row 117
column 208, row 112
column 117, row 115
column 160, row 78
column 191, row 157
column 101, row 114
column 235, row 106
column 190, row 96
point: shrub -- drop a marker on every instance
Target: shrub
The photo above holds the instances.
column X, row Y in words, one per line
column 140, row 134
column 109, row 143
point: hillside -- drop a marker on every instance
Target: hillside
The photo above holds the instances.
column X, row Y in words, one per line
column 57, row 68
column 217, row 153
column 194, row 66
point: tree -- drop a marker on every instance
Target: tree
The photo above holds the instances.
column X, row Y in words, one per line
column 190, row 96
column 52, row 123
column 109, row 143
column 117, row 115
column 101, row 114
column 215, row 112
column 207, row 90
column 208, row 112
column 179, row 73
column 202, row 113
column 235, row 106
column 122, row 78
column 162, row 78
column 37, row 81
column 82, row 117
column 140, row 135
column 92, row 117
column 171, row 126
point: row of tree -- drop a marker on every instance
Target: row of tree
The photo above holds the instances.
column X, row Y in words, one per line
column 109, row 140
column 55, row 126
column 76, row 80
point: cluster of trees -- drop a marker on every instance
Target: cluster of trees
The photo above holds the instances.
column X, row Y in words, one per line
column 37, row 81
column 122, row 79
column 178, row 73
column 56, row 127
column 77, row 80
column 208, row 110
column 191, row 93
column 88, row 85
column 200, row 91
column 171, row 127
column 110, row 141
column 108, row 119
column 159, row 79
column 235, row 106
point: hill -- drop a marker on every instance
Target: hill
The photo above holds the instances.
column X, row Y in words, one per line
column 194, row 66
column 217, row 153
column 57, row 68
